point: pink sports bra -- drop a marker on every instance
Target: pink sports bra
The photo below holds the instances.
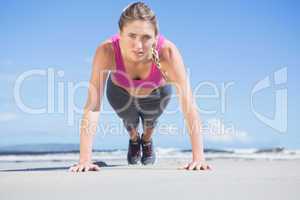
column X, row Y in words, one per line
column 153, row 80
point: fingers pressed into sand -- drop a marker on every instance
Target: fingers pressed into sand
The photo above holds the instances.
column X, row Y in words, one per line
column 192, row 166
column 80, row 168
column 198, row 167
column 71, row 169
column 185, row 166
column 75, row 168
column 85, row 168
column 209, row 167
column 95, row 167
column 206, row 167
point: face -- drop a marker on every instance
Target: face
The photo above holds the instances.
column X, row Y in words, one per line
column 137, row 39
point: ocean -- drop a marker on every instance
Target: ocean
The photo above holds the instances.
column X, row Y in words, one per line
column 70, row 152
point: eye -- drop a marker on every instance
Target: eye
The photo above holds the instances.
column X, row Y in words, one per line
column 133, row 36
column 147, row 37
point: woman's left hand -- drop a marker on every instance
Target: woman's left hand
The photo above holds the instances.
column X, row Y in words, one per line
column 197, row 165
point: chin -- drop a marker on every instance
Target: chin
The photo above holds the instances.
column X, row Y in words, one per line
column 137, row 58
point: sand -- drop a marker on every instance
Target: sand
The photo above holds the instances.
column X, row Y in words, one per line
column 229, row 179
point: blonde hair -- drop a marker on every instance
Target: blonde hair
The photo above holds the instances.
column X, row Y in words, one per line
column 156, row 60
column 138, row 11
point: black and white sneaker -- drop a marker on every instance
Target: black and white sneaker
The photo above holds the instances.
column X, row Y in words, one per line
column 134, row 151
column 148, row 156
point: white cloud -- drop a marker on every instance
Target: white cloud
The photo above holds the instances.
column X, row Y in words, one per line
column 215, row 130
column 7, row 116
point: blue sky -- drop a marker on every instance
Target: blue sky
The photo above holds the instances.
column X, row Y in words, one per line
column 222, row 42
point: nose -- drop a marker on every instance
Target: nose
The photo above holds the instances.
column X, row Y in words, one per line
column 138, row 44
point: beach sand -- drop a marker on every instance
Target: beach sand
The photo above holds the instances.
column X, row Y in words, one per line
column 229, row 179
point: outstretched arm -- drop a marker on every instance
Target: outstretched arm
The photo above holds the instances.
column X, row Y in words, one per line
column 89, row 123
column 173, row 65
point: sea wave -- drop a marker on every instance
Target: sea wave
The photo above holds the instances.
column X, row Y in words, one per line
column 71, row 153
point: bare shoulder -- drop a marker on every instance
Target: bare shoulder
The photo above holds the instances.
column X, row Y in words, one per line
column 104, row 55
column 169, row 52
column 171, row 61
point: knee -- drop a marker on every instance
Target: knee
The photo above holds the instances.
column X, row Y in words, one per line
column 150, row 123
column 131, row 123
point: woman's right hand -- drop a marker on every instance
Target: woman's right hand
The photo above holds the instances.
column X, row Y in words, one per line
column 84, row 167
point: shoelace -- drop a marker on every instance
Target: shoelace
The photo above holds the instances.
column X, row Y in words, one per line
column 147, row 149
column 135, row 148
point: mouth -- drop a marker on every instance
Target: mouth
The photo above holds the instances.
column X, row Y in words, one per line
column 138, row 53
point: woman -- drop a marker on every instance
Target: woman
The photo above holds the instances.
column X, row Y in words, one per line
column 143, row 65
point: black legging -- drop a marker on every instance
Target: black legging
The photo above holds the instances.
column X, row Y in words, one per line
column 130, row 108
